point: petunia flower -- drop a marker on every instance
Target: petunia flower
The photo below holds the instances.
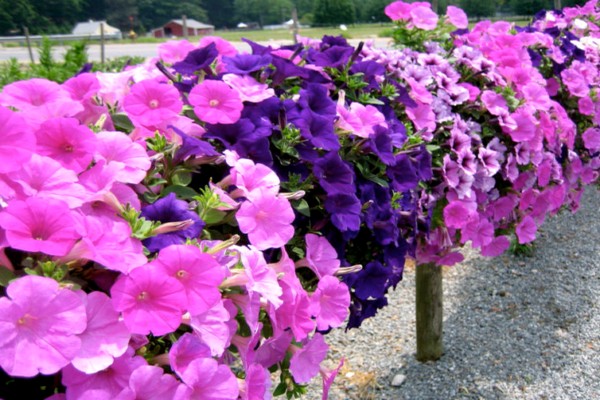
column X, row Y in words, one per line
column 149, row 382
column 151, row 301
column 330, row 303
column 248, row 88
column 16, row 142
column 306, row 361
column 118, row 149
column 266, row 219
column 39, row 324
column 105, row 337
column 216, row 103
column 171, row 209
column 199, row 273
column 257, row 383
column 35, row 224
column 321, row 257
column 173, row 51
column 215, row 327
column 205, row 378
column 66, row 141
column 526, row 230
column 105, row 384
column 150, row 102
column 185, row 350
column 457, row 17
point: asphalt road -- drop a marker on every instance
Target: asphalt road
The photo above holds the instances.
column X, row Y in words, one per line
column 145, row 50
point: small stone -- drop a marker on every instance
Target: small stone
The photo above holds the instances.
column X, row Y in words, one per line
column 398, row 380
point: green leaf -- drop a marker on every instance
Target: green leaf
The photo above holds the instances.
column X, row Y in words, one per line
column 122, row 123
column 183, row 192
column 6, row 275
column 280, row 389
column 302, row 207
column 212, row 216
column 182, row 178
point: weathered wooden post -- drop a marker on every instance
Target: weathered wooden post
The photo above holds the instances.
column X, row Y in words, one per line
column 557, row 5
column 429, row 310
column 434, row 6
column 102, row 58
column 185, row 29
column 295, row 24
column 28, row 40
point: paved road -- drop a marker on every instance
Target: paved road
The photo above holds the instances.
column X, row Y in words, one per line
column 146, row 50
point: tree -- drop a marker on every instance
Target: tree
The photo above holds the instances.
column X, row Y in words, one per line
column 478, row 8
column 334, row 12
column 155, row 13
column 265, row 12
column 530, row 7
column 220, row 13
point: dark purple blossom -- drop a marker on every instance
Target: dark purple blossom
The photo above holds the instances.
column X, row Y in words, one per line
column 403, row 174
column 345, row 211
column 196, row 60
column 243, row 64
column 316, row 99
column 371, row 71
column 192, row 146
column 171, row 209
column 363, row 309
column 334, row 175
column 334, row 57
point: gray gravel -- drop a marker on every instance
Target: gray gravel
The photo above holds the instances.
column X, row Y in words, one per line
column 515, row 327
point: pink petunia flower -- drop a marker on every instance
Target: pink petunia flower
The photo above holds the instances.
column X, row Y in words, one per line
column 43, row 177
column 330, row 303
column 526, row 230
column 150, row 300
column 266, row 219
column 398, row 11
column 216, row 103
column 249, row 176
column 39, row 324
column 359, row 119
column 199, row 273
column 496, row 247
column 223, row 46
column 44, row 225
column 104, row 338
column 305, row 363
column 423, row 17
column 16, row 141
column 150, row 102
column 105, row 384
column 591, row 139
column 261, row 278
column 294, row 313
column 213, row 328
column 206, row 379
column 66, row 141
column 149, row 382
column 457, row 17
column 257, row 384
column 248, row 88
column 185, row 350
column 118, row 149
column 174, row 50
column 321, row 257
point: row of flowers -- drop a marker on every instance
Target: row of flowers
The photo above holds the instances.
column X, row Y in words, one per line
column 188, row 227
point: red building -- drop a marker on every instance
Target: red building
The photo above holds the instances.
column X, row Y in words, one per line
column 174, row 28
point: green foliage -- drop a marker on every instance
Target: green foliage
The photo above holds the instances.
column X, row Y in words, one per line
column 530, row 7
column 265, row 12
column 334, row 12
column 155, row 13
column 478, row 8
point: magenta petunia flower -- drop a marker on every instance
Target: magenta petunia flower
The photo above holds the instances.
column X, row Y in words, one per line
column 267, row 219
column 262, row 279
column 104, row 338
column 199, row 273
column 330, row 302
column 257, row 384
column 249, row 176
column 149, row 382
column 213, row 328
column 305, row 363
column 173, row 51
column 457, row 17
column 185, row 350
column 526, row 230
column 105, row 384
column 151, row 301
column 118, row 149
column 216, row 103
column 150, row 102
column 39, row 324
column 43, row 177
column 398, row 11
column 207, row 379
column 44, row 225
column 458, row 213
column 321, row 257
column 423, row 17
column 67, row 142
column 591, row 139
column 248, row 88
column 16, row 141
column 223, row 46
column 294, row 313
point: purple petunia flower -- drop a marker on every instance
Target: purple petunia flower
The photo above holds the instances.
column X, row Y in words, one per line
column 243, row 64
column 334, row 175
column 170, row 209
column 345, row 211
column 197, row 60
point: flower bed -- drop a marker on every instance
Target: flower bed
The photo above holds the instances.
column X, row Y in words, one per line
column 187, row 227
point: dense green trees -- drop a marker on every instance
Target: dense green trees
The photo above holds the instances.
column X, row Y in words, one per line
column 59, row 16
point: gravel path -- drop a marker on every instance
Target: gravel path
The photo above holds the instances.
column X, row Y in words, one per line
column 515, row 327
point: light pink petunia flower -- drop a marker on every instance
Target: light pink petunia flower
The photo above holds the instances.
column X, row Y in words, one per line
column 174, row 50
column 66, row 141
column 185, row 350
column 248, row 88
column 223, row 46
column 213, row 328
column 526, row 230
column 206, row 379
column 149, row 382
column 360, row 120
column 321, row 257
column 44, row 225
column 330, row 302
column 266, row 219
column 39, row 324
column 150, row 102
column 199, row 273
column 216, row 103
column 105, row 384
column 257, row 384
column 306, row 361
column 398, row 11
column 118, row 149
column 457, row 17
column 151, row 301
column 16, row 141
column 423, row 17
column 104, row 338
column 249, row 176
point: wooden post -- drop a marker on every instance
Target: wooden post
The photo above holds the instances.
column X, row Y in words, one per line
column 102, row 58
column 295, row 24
column 429, row 307
column 557, row 5
column 434, row 6
column 28, row 40
column 184, row 23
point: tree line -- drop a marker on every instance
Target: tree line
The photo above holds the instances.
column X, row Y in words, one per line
column 59, row 16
